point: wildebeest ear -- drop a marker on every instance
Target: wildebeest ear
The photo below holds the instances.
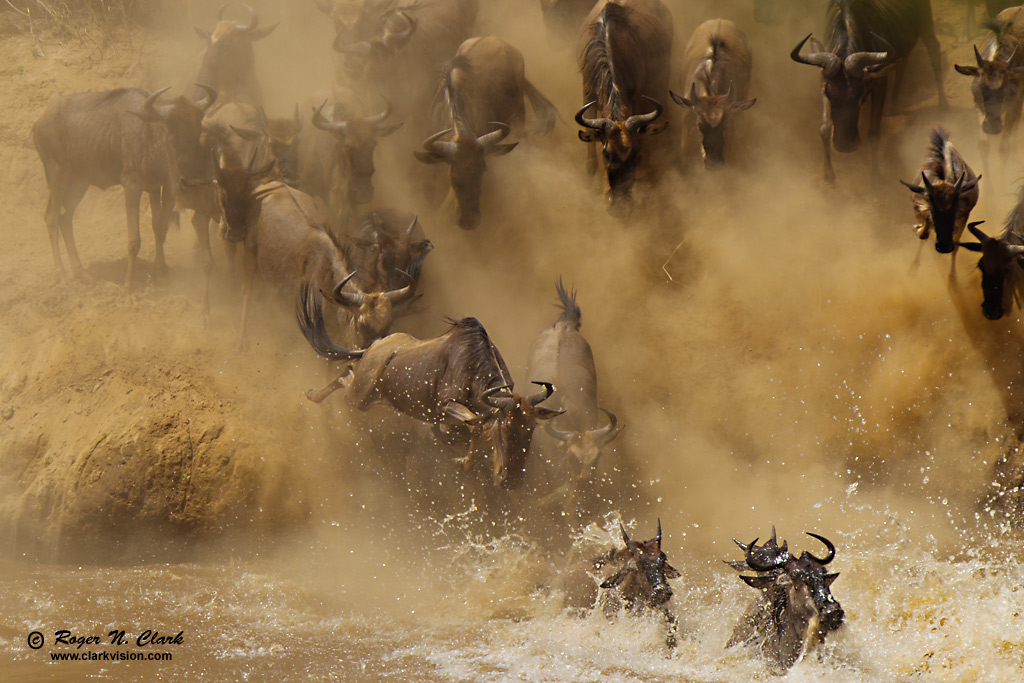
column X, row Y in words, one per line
column 590, row 135
column 760, row 582
column 615, row 579
column 204, row 35
column 743, row 106
column 498, row 150
column 430, row 157
column 652, row 128
column 546, row 414
column 830, row 578
column 461, row 413
column 967, row 70
column 671, row 572
column 916, row 189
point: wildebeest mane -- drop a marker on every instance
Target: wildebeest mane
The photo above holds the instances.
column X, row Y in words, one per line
column 571, row 312
column 483, row 359
column 873, row 26
column 945, row 156
column 449, row 101
column 596, row 55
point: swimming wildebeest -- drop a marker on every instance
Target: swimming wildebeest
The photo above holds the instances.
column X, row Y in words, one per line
column 996, row 83
column 562, row 354
column 947, row 194
column 457, row 382
column 229, row 65
column 795, row 609
column 626, row 60
column 866, row 38
column 716, row 73
column 120, row 137
column 634, row 575
column 480, row 100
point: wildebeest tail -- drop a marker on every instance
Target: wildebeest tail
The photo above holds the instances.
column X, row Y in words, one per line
column 309, row 310
column 571, row 312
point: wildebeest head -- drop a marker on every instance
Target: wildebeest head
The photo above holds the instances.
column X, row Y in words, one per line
column 184, row 121
column 996, row 82
column 1000, row 268
column 643, row 577
column 712, row 113
column 620, row 145
column 373, row 58
column 393, row 253
column 846, row 82
column 229, row 64
column 466, row 156
column 357, row 140
column 945, row 205
column 234, row 184
column 356, row 20
column 797, row 603
column 584, row 448
column 371, row 312
column 280, row 138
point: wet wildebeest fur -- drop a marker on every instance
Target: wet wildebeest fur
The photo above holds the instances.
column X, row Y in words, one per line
column 866, row 38
column 119, row 137
column 483, row 87
column 457, row 382
column 626, row 60
column 1002, row 258
column 634, row 576
column 947, row 194
column 385, row 254
column 716, row 72
column 795, row 609
column 997, row 79
column 563, row 355
column 229, row 65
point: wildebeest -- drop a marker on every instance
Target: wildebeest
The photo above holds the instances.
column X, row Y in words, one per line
column 356, row 20
column 996, row 84
column 120, row 137
column 716, row 72
column 1002, row 282
column 947, row 194
column 634, row 575
column 625, row 58
column 336, row 153
column 229, row 64
column 866, row 38
column 386, row 256
column 563, row 18
column 457, row 382
column 563, row 355
column 992, row 10
column 795, row 609
column 483, row 87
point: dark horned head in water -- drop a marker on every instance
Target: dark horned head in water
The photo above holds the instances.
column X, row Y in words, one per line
column 643, row 575
column 796, row 606
column 1000, row 271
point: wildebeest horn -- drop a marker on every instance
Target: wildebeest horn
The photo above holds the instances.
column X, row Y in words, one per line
column 488, row 395
column 541, row 396
column 346, row 298
column 489, row 140
column 742, row 546
column 438, row 146
column 659, row 533
column 400, row 296
column 208, row 99
column 858, row 61
column 828, row 544
column 776, row 562
column 395, row 41
column 564, row 437
column 596, row 124
column 377, row 119
column 970, row 184
column 927, row 185
column 1009, row 60
column 977, row 57
column 150, row 111
column 982, row 237
column 412, row 225
column 606, row 433
column 625, row 536
column 826, row 61
column 634, row 122
column 321, row 122
column 916, row 189
column 959, row 183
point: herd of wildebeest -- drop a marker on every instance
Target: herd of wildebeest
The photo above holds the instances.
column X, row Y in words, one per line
column 289, row 192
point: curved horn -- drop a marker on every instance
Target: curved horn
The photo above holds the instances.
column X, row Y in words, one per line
column 982, row 237
column 541, row 396
column 826, row 61
column 625, row 536
column 400, row 296
column 977, row 57
column 757, row 566
column 489, row 140
column 254, row 20
column 1009, row 60
column 637, row 120
column 564, row 437
column 395, row 41
column 606, row 433
column 828, row 544
column 412, row 225
column 332, row 126
column 927, row 185
column 377, row 119
column 596, row 124
column 743, row 547
column 347, row 298
column 959, row 183
column 150, row 111
column 488, row 394
column 438, row 146
column 208, row 99
column 659, row 532
column 858, row 61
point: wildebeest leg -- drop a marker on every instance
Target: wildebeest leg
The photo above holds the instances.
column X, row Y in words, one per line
column 159, row 208
column 73, row 194
column 592, row 158
column 826, row 140
column 132, row 199
column 673, row 627
column 931, row 43
column 897, row 86
column 342, row 382
column 201, row 224
column 249, row 260
column 1013, row 113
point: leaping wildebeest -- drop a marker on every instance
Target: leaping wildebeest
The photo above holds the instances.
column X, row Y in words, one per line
column 716, row 72
column 120, row 137
column 866, row 38
column 229, row 63
column 947, row 194
column 795, row 609
column 480, row 100
column 562, row 354
column 626, row 61
column 996, row 83
column 457, row 382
